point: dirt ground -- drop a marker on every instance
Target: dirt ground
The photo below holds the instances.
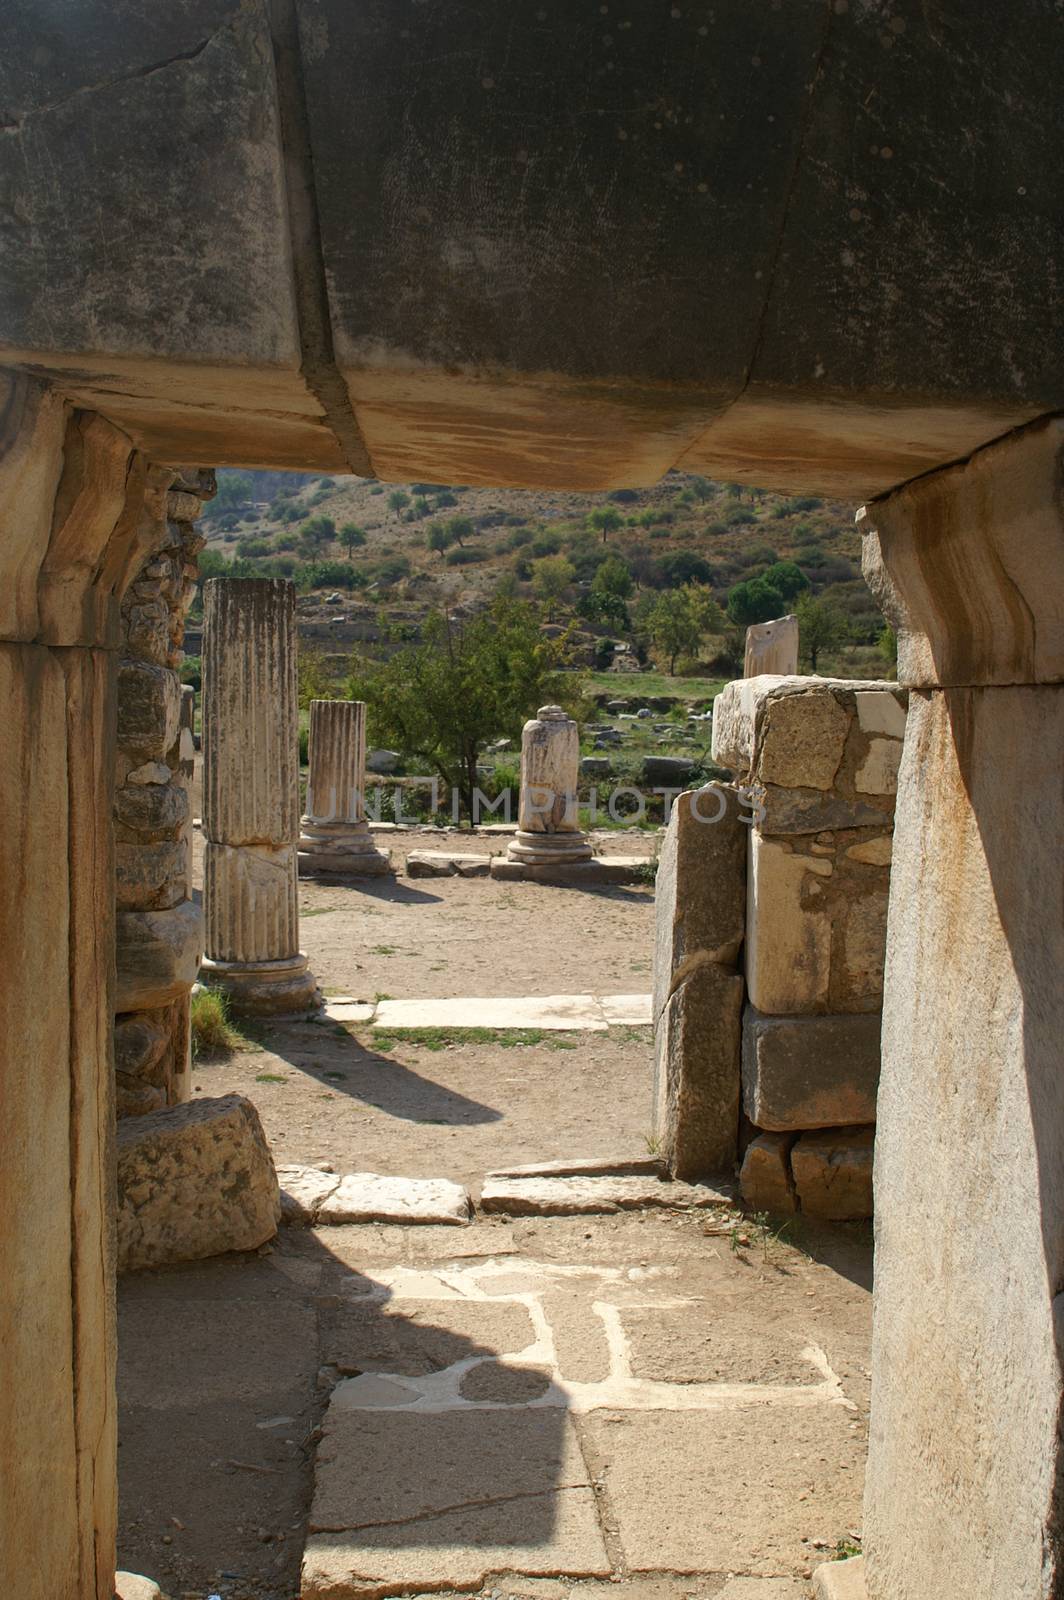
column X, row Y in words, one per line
column 329, row 1094
column 226, row 1368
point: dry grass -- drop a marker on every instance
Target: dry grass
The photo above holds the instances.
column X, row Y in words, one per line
column 212, row 1032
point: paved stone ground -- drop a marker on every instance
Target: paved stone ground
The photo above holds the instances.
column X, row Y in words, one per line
column 535, row 1408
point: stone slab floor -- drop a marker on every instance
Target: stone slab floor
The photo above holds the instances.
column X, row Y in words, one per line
column 537, row 1408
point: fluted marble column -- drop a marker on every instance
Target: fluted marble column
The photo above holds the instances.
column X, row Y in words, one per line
column 251, row 796
column 548, row 826
column 335, row 836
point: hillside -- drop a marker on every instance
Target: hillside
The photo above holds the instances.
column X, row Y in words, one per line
column 359, row 552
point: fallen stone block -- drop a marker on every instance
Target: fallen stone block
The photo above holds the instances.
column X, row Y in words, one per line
column 810, row 1072
column 590, row 1167
column 765, row 1180
column 565, row 1197
column 840, row 1580
column 600, row 871
column 442, row 864
column 371, row 1197
column 194, row 1180
column 833, row 1173
column 697, row 1050
column 130, row 1586
column 303, row 1192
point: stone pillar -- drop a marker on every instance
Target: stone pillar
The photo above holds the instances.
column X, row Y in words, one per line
column 966, row 1465
column 251, row 796
column 818, row 758
column 153, row 825
column 548, row 826
column 335, row 836
column 77, row 503
column 771, row 647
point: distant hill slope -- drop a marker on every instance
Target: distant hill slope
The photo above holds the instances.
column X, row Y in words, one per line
column 685, row 527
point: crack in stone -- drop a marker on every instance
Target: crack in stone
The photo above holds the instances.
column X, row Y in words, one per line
column 446, row 1511
column 16, row 124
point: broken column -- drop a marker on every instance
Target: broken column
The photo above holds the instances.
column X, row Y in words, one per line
column 335, row 836
column 771, row 647
column 251, row 796
column 818, row 758
column 966, row 1457
column 159, row 925
column 698, row 987
column 548, row 823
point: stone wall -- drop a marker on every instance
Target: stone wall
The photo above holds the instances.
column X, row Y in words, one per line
column 771, row 931
column 819, row 759
column 158, row 923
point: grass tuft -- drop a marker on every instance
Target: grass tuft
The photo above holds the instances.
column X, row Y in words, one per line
column 213, row 1033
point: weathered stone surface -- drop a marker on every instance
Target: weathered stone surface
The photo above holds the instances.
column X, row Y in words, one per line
column 57, row 1423
column 576, row 1196
column 250, row 899
column 840, row 1580
column 381, row 1480
column 130, row 1586
column 833, row 1172
column 548, row 814
column 700, row 890
column 816, row 925
column 302, row 1191
column 151, row 810
column 697, row 1046
column 157, row 954
column 763, row 1589
column 369, row 1197
column 970, row 1154
column 150, row 772
column 194, row 1181
column 996, row 519
column 150, row 876
column 774, row 1472
column 771, row 647
column 149, row 704
column 591, row 874
column 446, row 864
column 668, row 771
column 765, row 1178
column 803, row 733
column 810, row 1072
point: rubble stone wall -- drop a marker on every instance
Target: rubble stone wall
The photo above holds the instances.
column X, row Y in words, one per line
column 158, row 923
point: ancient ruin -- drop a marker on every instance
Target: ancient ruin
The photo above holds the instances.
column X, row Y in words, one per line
column 548, row 821
column 251, row 797
column 833, row 266
column 334, row 835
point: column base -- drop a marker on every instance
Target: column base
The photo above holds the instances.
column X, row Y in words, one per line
column 264, row 988
column 549, row 849
column 341, row 849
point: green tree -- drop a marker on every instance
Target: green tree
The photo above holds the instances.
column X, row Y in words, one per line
column 439, row 537
column 613, row 577
column 821, row 626
column 316, row 533
column 551, row 576
column 398, row 499
column 464, row 683
column 234, row 489
column 352, row 537
column 460, row 529
column 604, row 520
column 679, row 619
column 763, row 598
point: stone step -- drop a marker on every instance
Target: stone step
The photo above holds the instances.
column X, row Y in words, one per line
column 577, row 1196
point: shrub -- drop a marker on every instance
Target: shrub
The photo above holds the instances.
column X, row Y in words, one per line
column 255, row 547
column 624, row 497
column 463, row 556
column 741, row 517
column 546, row 544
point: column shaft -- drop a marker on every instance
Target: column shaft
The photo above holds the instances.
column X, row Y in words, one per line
column 335, row 836
column 251, row 795
column 548, row 825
